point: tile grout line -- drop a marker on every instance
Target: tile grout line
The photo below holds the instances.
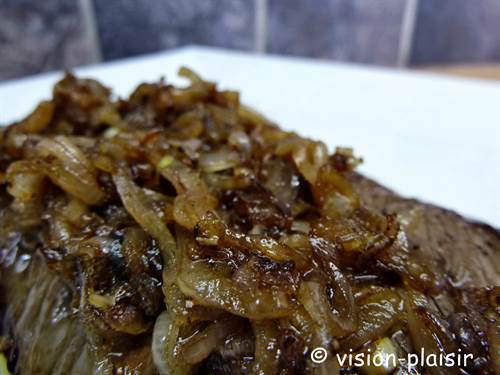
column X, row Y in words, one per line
column 260, row 32
column 407, row 32
column 90, row 24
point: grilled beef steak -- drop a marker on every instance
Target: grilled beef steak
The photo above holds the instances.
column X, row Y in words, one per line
column 180, row 232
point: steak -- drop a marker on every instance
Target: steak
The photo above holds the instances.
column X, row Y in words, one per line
column 180, row 232
column 468, row 253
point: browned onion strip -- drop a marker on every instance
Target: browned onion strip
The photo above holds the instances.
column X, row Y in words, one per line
column 201, row 344
column 336, row 321
column 25, row 180
column 188, row 126
column 217, row 161
column 189, row 208
column 67, row 152
column 180, row 176
column 73, row 184
column 377, row 314
column 38, row 120
column 75, row 212
column 428, row 334
column 164, row 346
column 197, row 280
column 309, row 158
column 266, row 347
column 250, row 115
column 333, row 193
column 344, row 308
column 307, row 155
column 189, row 74
column 160, row 337
column 139, row 207
column 213, row 231
column 72, row 172
column 240, row 140
column 199, row 91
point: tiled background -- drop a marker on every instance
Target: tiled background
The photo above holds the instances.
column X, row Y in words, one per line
column 37, row 35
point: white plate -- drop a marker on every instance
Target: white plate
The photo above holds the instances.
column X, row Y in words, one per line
column 425, row 136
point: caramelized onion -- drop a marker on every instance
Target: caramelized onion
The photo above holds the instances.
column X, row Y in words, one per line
column 25, row 180
column 189, row 208
column 38, row 120
column 140, row 208
column 266, row 347
column 219, row 161
column 73, row 172
column 202, row 343
column 333, row 193
column 161, row 333
column 192, row 235
column 198, row 281
column 377, row 314
column 180, row 176
column 428, row 333
column 331, row 320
